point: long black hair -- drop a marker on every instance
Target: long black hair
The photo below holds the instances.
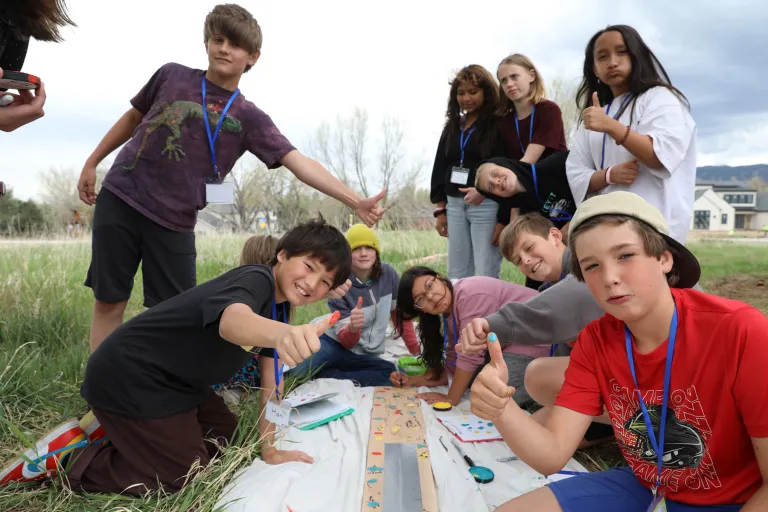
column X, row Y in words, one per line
column 647, row 72
column 485, row 124
column 429, row 328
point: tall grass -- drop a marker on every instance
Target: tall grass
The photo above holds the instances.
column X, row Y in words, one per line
column 45, row 316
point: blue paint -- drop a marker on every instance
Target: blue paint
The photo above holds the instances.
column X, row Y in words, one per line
column 372, row 481
column 421, row 445
column 373, row 504
column 375, row 469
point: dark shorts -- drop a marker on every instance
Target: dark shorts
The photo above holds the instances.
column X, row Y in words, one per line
column 142, row 455
column 123, row 237
column 616, row 489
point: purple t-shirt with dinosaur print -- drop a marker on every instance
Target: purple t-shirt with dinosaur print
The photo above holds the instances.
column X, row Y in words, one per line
column 163, row 168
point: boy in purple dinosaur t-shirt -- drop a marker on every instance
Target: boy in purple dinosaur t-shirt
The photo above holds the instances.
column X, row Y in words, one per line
column 147, row 208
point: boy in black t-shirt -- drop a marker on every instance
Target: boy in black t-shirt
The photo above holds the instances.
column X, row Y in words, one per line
column 541, row 187
column 149, row 383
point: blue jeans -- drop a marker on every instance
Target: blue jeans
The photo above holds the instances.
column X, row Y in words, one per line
column 616, row 489
column 470, row 236
column 333, row 361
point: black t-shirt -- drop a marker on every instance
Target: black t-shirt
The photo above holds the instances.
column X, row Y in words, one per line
column 551, row 196
column 164, row 360
column 448, row 155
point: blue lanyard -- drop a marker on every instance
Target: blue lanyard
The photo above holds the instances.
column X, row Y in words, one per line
column 607, row 111
column 463, row 143
column 278, row 371
column 445, row 338
column 530, row 132
column 560, row 214
column 658, row 447
column 212, row 138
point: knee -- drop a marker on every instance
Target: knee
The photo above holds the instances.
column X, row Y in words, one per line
column 537, row 382
column 110, row 308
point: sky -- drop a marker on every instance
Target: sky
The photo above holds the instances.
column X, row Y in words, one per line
column 321, row 59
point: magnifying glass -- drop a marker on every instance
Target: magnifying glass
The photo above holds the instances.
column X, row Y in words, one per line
column 481, row 474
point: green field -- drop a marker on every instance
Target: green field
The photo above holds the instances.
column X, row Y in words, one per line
column 44, row 323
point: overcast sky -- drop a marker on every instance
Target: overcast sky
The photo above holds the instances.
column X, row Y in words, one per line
column 322, row 58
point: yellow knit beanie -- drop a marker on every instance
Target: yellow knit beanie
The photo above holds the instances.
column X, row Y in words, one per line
column 361, row 235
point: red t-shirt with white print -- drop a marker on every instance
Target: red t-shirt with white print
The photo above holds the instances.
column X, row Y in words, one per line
column 718, row 397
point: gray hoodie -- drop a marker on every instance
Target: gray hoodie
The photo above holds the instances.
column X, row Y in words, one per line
column 554, row 316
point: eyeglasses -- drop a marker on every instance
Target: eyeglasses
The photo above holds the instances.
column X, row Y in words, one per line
column 429, row 288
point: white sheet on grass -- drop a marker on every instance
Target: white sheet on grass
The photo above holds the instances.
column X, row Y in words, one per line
column 335, row 481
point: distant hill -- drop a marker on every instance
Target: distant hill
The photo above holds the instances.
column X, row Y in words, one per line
column 741, row 173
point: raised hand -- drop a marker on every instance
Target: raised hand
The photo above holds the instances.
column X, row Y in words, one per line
column 302, row 341
column 490, row 393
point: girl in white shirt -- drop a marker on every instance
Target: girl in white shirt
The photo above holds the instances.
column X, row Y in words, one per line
column 637, row 133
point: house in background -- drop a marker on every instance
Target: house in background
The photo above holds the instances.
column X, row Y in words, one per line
column 729, row 206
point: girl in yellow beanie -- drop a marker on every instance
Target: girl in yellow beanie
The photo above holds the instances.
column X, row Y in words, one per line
column 351, row 349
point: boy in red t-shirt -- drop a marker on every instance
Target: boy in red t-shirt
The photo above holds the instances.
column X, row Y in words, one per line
column 691, row 358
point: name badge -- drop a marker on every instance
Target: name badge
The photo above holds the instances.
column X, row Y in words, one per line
column 220, row 192
column 277, row 414
column 459, row 175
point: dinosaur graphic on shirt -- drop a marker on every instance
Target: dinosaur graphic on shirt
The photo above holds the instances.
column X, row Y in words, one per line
column 172, row 117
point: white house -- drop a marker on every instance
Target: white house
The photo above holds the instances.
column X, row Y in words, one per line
column 711, row 212
column 729, row 206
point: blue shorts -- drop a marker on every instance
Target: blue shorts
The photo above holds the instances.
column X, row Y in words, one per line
column 619, row 486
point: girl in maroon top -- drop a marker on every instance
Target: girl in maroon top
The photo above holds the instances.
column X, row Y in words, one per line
column 531, row 126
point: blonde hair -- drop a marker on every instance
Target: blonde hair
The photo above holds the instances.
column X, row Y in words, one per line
column 259, row 250
column 236, row 24
column 533, row 223
column 538, row 92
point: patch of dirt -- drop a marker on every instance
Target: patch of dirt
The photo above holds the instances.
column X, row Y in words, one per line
column 750, row 289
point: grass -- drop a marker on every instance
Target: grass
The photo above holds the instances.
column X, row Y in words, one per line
column 44, row 328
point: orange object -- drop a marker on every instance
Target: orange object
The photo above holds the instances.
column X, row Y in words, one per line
column 334, row 318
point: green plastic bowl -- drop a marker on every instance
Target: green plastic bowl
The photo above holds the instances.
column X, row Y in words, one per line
column 411, row 366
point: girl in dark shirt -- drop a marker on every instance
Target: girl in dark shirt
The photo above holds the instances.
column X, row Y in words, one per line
column 462, row 214
column 531, row 126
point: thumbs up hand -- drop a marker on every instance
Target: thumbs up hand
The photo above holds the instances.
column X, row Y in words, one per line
column 369, row 210
column 357, row 317
column 595, row 118
column 490, row 394
column 301, row 341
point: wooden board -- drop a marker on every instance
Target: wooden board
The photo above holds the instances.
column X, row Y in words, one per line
column 396, row 418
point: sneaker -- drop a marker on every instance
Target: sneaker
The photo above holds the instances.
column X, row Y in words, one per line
column 44, row 459
column 92, row 428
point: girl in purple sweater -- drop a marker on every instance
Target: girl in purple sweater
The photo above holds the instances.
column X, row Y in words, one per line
column 443, row 309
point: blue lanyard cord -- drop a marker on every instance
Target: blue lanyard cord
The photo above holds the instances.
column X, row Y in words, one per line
column 658, row 447
column 463, row 143
column 530, row 131
column 445, row 338
column 278, row 371
column 212, row 138
column 607, row 111
column 560, row 215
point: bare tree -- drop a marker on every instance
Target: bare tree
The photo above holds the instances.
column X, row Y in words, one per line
column 249, row 197
column 344, row 150
column 59, row 192
column 563, row 92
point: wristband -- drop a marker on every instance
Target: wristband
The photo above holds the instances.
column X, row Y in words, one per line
column 438, row 212
column 608, row 176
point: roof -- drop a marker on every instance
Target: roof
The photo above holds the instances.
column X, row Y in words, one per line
column 699, row 193
column 762, row 202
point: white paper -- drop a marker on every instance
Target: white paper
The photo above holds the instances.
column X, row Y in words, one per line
column 278, row 414
column 317, row 411
column 469, row 428
column 306, row 399
column 220, row 193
